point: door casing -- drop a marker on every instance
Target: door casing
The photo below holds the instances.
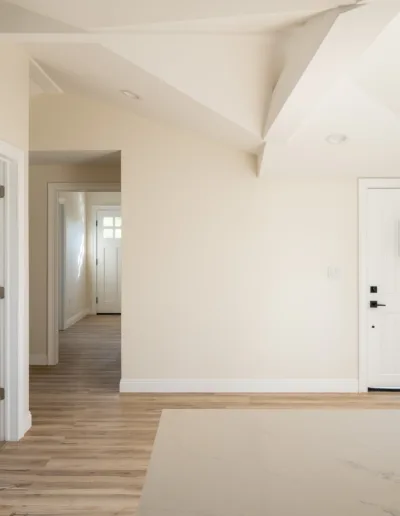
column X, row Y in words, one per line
column 54, row 190
column 16, row 301
column 62, row 272
column 3, row 166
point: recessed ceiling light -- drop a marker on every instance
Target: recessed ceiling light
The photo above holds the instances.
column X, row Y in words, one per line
column 130, row 94
column 336, row 138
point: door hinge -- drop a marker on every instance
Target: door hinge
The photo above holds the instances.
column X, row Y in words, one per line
column 97, row 300
column 2, row 393
column 97, row 261
column 2, row 191
column 97, row 223
column 2, row 293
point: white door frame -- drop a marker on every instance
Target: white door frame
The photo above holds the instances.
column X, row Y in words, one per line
column 53, row 190
column 16, row 342
column 62, row 237
column 93, row 229
column 363, row 186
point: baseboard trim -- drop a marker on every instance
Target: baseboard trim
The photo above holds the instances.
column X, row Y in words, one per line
column 76, row 318
column 341, row 385
column 28, row 423
column 38, row 359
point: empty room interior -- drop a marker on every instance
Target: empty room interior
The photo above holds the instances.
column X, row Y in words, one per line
column 199, row 258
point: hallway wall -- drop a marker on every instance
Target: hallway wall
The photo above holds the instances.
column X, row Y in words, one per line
column 76, row 289
column 39, row 178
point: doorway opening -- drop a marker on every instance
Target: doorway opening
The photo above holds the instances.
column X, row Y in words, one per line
column 85, row 258
column 89, row 290
column 83, row 347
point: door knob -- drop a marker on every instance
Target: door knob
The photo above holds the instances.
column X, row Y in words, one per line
column 375, row 304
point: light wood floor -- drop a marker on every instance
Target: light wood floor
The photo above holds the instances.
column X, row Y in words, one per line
column 89, row 447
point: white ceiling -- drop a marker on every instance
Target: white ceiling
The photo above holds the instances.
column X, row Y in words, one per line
column 252, row 73
column 93, row 15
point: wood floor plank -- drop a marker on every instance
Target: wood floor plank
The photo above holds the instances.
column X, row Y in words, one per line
column 89, row 447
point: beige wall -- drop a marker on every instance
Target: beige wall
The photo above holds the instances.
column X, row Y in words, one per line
column 225, row 276
column 14, row 96
column 102, row 199
column 75, row 290
column 39, row 177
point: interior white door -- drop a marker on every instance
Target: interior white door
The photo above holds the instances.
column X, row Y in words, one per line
column 108, row 270
column 2, row 314
column 383, row 277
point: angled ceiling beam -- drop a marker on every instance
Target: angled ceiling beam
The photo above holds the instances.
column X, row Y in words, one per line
column 52, row 37
column 42, row 79
column 93, row 14
column 261, row 160
column 351, row 34
column 16, row 19
column 300, row 47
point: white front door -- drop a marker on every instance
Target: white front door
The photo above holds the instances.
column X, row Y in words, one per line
column 109, row 235
column 383, row 284
column 2, row 315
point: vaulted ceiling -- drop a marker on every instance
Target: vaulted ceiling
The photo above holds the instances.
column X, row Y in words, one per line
column 257, row 74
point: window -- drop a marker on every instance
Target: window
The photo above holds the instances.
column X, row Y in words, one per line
column 108, row 222
column 112, row 227
column 108, row 233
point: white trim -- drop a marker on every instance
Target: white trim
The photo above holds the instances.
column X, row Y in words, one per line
column 239, row 386
column 17, row 293
column 93, row 249
column 53, row 190
column 77, row 317
column 37, row 359
column 28, row 421
column 363, row 186
column 62, row 242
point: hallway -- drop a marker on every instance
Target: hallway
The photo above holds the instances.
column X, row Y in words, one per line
column 89, row 447
column 90, row 360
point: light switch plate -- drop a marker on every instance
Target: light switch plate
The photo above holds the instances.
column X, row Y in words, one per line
column 333, row 272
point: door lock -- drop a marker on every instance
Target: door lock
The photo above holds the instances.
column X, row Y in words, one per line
column 375, row 304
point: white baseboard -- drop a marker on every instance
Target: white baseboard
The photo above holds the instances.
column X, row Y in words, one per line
column 76, row 318
column 36, row 359
column 239, row 386
column 28, row 422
